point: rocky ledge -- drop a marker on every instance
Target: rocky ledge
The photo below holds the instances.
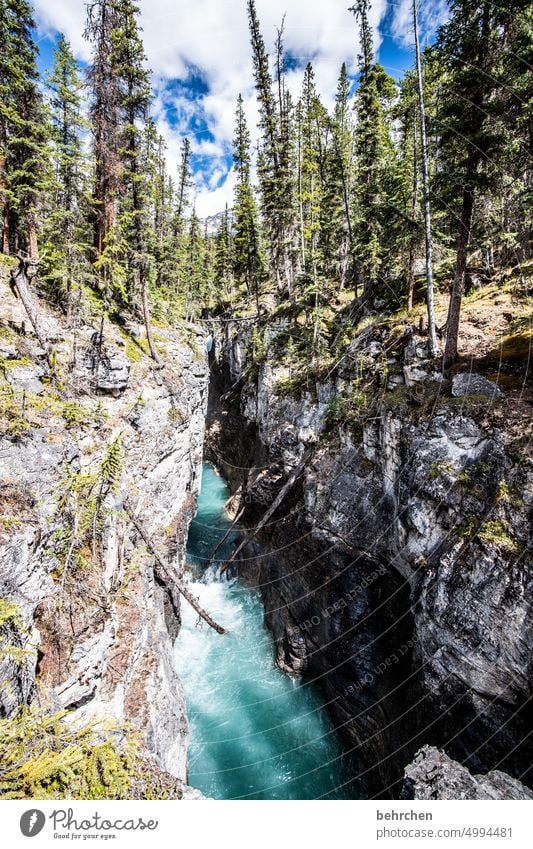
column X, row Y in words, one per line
column 86, row 625
column 398, row 570
column 433, row 775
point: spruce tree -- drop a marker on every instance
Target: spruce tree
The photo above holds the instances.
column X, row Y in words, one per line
column 248, row 262
column 24, row 153
column 64, row 227
column 474, row 49
column 376, row 184
column 273, row 159
column 105, row 116
column 336, row 231
column 223, row 259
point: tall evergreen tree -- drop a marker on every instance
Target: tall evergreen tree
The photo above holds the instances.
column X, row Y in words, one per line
column 183, row 188
column 375, row 166
column 273, row 160
column 475, row 51
column 102, row 22
column 24, row 152
column 64, row 228
column 248, row 263
column 336, row 223
column 432, row 336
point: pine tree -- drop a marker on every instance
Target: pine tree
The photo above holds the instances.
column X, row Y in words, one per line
column 183, row 188
column 64, row 227
column 474, row 49
column 223, row 259
column 248, row 261
column 273, row 158
column 102, row 22
column 24, row 152
column 432, row 337
column 336, row 231
column 376, row 184
column 310, row 184
column 129, row 64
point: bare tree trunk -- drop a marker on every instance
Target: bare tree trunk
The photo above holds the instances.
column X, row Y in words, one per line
column 432, row 335
column 169, row 574
column 20, row 285
column 33, row 249
column 5, row 229
column 221, row 542
column 411, row 266
column 454, row 309
column 287, row 486
column 147, row 321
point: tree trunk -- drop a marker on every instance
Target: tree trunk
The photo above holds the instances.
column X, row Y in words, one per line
column 432, row 335
column 5, row 228
column 33, row 249
column 20, row 284
column 147, row 321
column 454, row 309
column 169, row 574
column 412, row 242
column 293, row 477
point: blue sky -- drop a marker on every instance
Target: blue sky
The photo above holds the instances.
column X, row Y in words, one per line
column 200, row 57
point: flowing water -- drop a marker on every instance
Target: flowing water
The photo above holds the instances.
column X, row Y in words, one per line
column 255, row 733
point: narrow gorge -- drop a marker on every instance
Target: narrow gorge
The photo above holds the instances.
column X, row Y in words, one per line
column 266, row 470
column 394, row 579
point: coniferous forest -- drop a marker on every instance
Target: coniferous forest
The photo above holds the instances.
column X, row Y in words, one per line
column 339, row 206
column 349, row 347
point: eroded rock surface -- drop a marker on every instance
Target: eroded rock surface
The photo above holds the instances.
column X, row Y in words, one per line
column 433, row 775
column 398, row 571
column 90, row 628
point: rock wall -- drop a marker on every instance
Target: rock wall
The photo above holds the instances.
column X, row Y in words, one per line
column 86, row 624
column 397, row 573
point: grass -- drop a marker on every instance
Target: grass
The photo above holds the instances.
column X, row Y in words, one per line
column 496, row 533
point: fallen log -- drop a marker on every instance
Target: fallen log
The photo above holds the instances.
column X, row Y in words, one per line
column 166, row 573
column 20, row 286
column 211, row 555
column 287, row 486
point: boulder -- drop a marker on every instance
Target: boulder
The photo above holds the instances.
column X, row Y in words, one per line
column 113, row 368
column 434, row 775
column 474, row 384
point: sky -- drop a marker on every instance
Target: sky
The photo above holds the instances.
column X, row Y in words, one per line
column 200, row 57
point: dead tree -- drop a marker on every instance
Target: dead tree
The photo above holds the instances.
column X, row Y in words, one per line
column 432, row 335
column 20, row 286
column 287, row 486
column 211, row 555
column 168, row 574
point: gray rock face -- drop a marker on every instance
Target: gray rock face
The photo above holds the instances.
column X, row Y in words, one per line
column 108, row 371
column 433, row 775
column 398, row 572
column 100, row 631
column 27, row 378
column 474, row 384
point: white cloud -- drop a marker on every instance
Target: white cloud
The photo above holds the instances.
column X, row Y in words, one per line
column 212, row 37
column 430, row 16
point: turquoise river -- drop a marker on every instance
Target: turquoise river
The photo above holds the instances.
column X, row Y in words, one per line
column 255, row 733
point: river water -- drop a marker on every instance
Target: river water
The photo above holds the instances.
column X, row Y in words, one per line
column 255, row 733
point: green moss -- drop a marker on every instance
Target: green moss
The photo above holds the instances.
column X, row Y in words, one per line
column 7, row 364
column 10, row 523
column 9, row 613
column 136, row 349
column 440, row 467
column 46, row 757
column 517, row 348
column 496, row 533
